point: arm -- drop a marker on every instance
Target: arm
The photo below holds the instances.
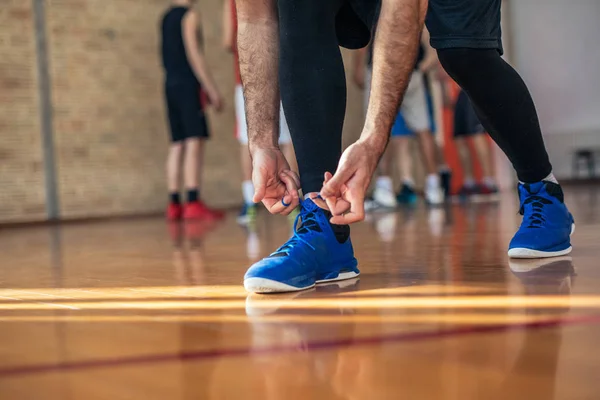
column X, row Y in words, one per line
column 395, row 49
column 258, row 48
column 196, row 59
column 227, row 26
column 431, row 59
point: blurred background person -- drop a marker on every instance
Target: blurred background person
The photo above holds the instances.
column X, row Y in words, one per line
column 248, row 211
column 467, row 127
column 187, row 81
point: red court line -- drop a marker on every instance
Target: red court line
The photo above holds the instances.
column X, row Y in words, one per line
column 311, row 346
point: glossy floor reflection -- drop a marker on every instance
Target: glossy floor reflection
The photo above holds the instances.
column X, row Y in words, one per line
column 140, row 309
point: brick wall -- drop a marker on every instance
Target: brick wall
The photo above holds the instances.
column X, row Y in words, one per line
column 110, row 132
column 21, row 169
column 110, row 129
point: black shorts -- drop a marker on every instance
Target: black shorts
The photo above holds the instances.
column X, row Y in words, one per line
column 465, row 23
column 466, row 122
column 451, row 23
column 186, row 116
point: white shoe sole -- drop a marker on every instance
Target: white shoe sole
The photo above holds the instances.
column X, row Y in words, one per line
column 263, row 285
column 521, row 252
column 341, row 277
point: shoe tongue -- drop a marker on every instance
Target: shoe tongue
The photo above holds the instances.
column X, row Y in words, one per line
column 532, row 188
column 309, row 205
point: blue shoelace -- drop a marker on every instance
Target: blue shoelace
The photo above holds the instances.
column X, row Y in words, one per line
column 309, row 223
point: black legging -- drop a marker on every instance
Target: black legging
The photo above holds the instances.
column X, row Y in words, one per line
column 313, row 85
column 313, row 91
column 504, row 106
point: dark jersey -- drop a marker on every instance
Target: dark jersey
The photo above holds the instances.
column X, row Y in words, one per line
column 174, row 57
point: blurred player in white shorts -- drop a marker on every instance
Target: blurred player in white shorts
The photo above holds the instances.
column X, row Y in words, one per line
column 248, row 211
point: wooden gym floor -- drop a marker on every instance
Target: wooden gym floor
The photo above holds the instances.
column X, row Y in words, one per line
column 139, row 309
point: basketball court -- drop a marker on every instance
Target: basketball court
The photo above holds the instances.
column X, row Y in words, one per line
column 138, row 309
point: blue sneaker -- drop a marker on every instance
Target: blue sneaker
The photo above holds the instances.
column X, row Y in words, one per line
column 407, row 195
column 312, row 255
column 547, row 224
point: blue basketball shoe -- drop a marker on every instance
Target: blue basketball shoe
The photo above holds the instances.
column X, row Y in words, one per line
column 547, row 224
column 312, row 255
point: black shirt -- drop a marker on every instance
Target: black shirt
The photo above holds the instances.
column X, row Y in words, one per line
column 174, row 57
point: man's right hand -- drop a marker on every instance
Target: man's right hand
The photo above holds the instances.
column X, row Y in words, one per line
column 274, row 182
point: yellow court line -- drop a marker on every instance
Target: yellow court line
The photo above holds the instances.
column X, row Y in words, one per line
column 205, row 291
column 433, row 302
column 470, row 319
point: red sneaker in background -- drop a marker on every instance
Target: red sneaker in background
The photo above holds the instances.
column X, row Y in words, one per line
column 199, row 210
column 174, row 212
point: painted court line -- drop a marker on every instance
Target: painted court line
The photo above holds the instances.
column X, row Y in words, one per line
column 311, row 346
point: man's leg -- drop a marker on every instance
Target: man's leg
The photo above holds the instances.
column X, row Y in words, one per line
column 312, row 86
column 191, row 167
column 173, row 164
column 469, row 50
column 196, row 133
column 313, row 92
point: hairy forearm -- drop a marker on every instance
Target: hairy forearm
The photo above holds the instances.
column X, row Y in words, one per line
column 258, row 49
column 394, row 53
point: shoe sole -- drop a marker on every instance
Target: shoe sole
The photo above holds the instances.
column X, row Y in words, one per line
column 263, row 285
column 522, row 252
column 341, row 277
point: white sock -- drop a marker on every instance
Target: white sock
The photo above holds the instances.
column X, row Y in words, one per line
column 549, row 178
column 489, row 181
column 469, row 182
column 248, row 192
column 432, row 181
column 385, row 183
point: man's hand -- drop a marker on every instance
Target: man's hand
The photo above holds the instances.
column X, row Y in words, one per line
column 344, row 192
column 274, row 181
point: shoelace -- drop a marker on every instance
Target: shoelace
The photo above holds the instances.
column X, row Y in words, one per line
column 309, row 223
column 534, row 215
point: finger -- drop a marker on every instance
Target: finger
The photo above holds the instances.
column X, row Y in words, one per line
column 290, row 185
column 294, row 176
column 337, row 205
column 319, row 201
column 357, row 208
column 260, row 187
column 333, row 185
column 274, row 206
